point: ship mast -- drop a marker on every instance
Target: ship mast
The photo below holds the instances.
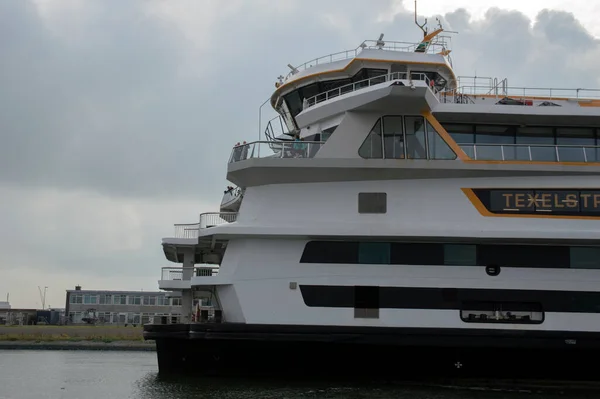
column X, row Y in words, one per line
column 421, row 26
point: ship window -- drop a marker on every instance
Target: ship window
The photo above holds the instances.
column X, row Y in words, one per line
column 538, row 144
column 576, row 137
column 462, row 134
column 451, row 254
column 438, row 149
column 585, row 257
column 523, row 256
column 417, row 254
column 330, row 252
column 488, row 139
column 372, row 202
column 393, row 137
column 294, row 102
column 374, row 253
column 327, row 132
column 372, row 147
column 460, row 255
column 415, row 138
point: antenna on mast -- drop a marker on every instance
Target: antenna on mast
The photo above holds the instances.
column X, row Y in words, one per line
column 422, row 26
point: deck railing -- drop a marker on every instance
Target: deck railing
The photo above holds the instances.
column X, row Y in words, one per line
column 351, row 87
column 211, row 219
column 440, row 44
column 176, row 273
column 530, row 152
column 275, row 149
column 186, row 230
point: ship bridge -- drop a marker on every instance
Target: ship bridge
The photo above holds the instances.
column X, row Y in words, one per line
column 373, row 62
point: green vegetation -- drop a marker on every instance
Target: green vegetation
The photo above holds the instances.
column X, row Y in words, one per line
column 46, row 333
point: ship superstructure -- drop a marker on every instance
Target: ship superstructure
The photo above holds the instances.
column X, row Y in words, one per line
column 394, row 205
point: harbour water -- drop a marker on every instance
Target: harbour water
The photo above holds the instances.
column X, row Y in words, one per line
column 77, row 374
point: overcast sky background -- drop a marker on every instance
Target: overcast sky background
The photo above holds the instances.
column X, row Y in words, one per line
column 117, row 117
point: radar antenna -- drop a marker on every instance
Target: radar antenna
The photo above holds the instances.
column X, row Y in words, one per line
column 422, row 26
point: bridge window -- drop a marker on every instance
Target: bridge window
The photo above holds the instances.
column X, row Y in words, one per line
column 373, row 145
column 585, row 257
column 415, row 137
column 393, row 137
column 438, row 148
column 419, row 141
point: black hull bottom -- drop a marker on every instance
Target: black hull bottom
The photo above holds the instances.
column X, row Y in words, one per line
column 226, row 350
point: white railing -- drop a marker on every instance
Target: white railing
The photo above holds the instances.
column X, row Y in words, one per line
column 211, row 219
column 176, row 273
column 275, row 149
column 188, row 230
column 484, row 86
column 435, row 47
column 351, row 87
column 530, row 152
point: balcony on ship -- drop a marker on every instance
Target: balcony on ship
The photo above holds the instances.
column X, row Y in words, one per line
column 207, row 220
column 180, row 278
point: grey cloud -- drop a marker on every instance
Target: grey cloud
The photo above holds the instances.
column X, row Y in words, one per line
column 113, row 113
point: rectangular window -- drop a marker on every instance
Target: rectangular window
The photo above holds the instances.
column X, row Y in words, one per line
column 135, row 300
column 393, row 137
column 90, row 299
column 585, row 257
column 372, row 202
column 119, row 300
column 374, row 253
column 162, row 301
column 330, row 252
column 175, row 301
column 76, row 298
column 534, row 256
column 416, row 147
column 460, row 255
column 417, row 254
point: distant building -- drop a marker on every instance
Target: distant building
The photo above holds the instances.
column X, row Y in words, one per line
column 4, row 305
column 120, row 307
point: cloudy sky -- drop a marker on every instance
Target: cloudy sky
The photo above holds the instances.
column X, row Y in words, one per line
column 117, row 117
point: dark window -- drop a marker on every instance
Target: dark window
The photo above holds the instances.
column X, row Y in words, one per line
column 374, row 253
column 294, row 102
column 417, row 254
column 330, row 252
column 398, row 253
column 372, row 202
column 585, row 257
column 577, row 137
column 460, row 254
column 488, row 140
column 523, row 256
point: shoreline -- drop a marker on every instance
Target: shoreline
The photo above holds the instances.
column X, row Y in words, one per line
column 133, row 346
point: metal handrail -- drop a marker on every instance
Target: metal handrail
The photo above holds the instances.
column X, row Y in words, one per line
column 435, row 47
column 186, row 230
column 211, row 219
column 280, row 149
column 361, row 84
column 176, row 273
column 540, row 93
column 510, row 152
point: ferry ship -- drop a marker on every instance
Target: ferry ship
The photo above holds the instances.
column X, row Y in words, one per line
column 398, row 219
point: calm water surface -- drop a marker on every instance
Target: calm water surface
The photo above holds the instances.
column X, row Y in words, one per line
column 123, row 375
